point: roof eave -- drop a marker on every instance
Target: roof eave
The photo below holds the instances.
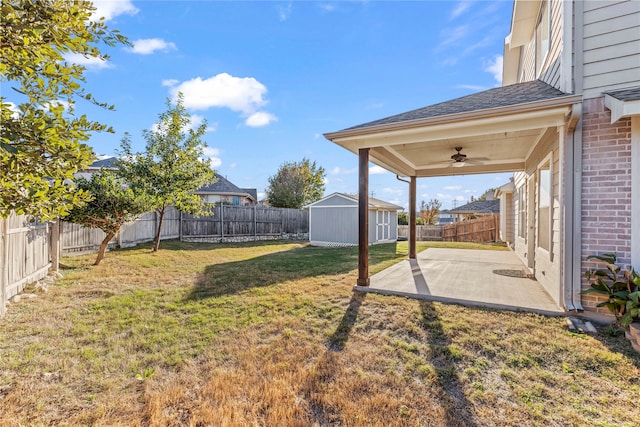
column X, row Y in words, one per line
column 457, row 117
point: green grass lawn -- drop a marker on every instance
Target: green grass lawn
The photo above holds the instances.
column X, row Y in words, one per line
column 271, row 334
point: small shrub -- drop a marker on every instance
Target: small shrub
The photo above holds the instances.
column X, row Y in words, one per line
column 622, row 288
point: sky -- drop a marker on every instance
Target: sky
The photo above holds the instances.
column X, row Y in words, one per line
column 270, row 78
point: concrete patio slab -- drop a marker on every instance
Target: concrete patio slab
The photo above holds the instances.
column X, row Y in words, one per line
column 467, row 277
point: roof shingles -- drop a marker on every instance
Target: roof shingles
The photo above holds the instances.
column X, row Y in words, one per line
column 519, row 93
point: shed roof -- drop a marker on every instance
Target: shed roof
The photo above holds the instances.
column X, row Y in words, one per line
column 373, row 202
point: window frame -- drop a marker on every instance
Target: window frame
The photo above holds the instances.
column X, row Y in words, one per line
column 545, row 165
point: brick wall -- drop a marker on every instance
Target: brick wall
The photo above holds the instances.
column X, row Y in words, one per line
column 606, row 188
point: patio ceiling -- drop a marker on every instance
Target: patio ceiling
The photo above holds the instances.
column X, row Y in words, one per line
column 500, row 137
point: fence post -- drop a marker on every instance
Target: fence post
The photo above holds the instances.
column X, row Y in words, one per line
column 221, row 220
column 180, row 227
column 55, row 245
column 255, row 223
column 4, row 266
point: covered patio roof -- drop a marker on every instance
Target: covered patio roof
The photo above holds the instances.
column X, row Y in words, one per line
column 497, row 128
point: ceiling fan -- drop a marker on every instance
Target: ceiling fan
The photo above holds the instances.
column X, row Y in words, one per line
column 458, row 160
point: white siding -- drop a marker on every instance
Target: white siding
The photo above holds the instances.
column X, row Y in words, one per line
column 552, row 65
column 611, row 46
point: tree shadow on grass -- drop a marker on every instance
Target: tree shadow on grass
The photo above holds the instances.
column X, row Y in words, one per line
column 458, row 411
column 324, row 371
column 278, row 267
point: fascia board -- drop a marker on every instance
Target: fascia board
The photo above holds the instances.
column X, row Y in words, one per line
column 460, row 129
column 620, row 109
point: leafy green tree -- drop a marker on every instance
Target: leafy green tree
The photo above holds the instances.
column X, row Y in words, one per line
column 403, row 218
column 429, row 212
column 42, row 144
column 296, row 184
column 111, row 205
column 172, row 167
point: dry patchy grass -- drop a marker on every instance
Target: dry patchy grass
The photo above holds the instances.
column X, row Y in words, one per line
column 271, row 334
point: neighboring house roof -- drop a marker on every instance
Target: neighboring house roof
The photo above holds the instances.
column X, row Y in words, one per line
column 108, row 163
column 253, row 192
column 373, row 202
column 519, row 93
column 478, row 207
column 223, row 186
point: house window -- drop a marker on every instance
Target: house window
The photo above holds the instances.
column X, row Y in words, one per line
column 522, row 213
column 236, row 200
column 543, row 35
column 544, row 206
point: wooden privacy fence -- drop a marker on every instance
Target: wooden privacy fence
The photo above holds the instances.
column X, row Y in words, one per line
column 26, row 254
column 226, row 222
column 76, row 239
column 481, row 230
column 423, row 232
column 245, row 221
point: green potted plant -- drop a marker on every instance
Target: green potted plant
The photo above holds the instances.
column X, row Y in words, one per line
column 621, row 288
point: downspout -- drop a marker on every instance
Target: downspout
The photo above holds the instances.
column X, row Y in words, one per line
column 568, row 212
column 578, row 86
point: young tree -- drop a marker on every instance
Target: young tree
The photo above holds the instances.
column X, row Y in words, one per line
column 172, row 167
column 41, row 142
column 111, row 205
column 429, row 212
column 296, row 184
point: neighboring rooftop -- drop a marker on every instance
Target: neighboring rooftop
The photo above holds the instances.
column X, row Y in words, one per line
column 108, row 163
column 478, row 207
column 224, row 186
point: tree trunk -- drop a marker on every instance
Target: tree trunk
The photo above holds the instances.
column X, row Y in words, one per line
column 156, row 243
column 103, row 246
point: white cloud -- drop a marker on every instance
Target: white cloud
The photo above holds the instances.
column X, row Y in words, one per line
column 452, row 36
column 89, row 62
column 327, row 7
column 471, row 87
column 148, row 46
column 262, row 195
column 170, row 82
column 259, row 119
column 240, row 94
column 112, row 8
column 342, row 171
column 395, row 191
column 214, row 155
column 317, row 135
column 233, row 165
column 325, row 180
column 377, row 170
column 285, row 12
column 15, row 112
column 460, row 8
column 452, row 187
column 494, row 66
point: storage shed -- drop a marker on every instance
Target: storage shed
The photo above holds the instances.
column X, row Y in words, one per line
column 333, row 221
